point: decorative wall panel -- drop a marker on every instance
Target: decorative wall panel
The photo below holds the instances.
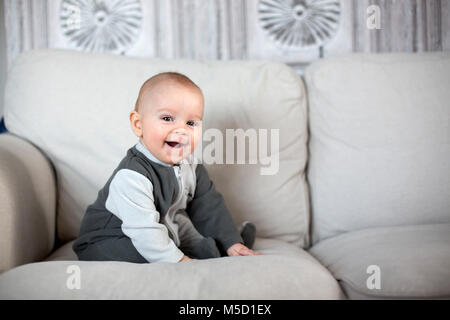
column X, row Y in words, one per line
column 292, row 31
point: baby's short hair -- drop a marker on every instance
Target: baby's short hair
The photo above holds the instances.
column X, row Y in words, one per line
column 164, row 76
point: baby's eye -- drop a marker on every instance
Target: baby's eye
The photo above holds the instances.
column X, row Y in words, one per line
column 191, row 123
column 167, row 118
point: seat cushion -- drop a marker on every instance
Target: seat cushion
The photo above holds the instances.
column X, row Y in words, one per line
column 379, row 141
column 75, row 107
column 283, row 272
column 63, row 253
column 410, row 262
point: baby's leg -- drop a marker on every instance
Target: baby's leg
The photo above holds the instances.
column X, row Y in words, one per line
column 205, row 248
column 114, row 249
column 248, row 233
column 193, row 244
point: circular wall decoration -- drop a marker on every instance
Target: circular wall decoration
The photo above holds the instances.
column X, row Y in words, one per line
column 101, row 25
column 298, row 24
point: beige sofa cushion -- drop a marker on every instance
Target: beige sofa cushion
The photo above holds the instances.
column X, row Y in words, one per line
column 283, row 272
column 75, row 106
column 380, row 141
column 411, row 262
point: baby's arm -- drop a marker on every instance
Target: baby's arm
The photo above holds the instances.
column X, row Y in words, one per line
column 209, row 214
column 131, row 199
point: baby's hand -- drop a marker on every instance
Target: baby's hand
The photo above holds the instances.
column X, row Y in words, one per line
column 186, row 258
column 238, row 249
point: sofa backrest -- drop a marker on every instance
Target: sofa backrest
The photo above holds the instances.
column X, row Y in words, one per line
column 379, row 141
column 75, row 107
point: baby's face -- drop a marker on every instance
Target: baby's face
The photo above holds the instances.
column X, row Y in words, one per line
column 170, row 121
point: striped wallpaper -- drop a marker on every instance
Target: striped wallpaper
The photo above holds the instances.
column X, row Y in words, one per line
column 226, row 29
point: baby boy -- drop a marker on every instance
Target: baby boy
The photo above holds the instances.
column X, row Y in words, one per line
column 159, row 205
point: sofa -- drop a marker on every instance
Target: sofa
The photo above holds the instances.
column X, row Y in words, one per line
column 358, row 208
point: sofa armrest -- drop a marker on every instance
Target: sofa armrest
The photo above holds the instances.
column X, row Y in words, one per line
column 27, row 203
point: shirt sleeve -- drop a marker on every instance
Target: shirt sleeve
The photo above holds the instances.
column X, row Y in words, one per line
column 131, row 199
column 209, row 214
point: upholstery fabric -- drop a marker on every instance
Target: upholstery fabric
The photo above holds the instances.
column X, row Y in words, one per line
column 283, row 272
column 27, row 203
column 413, row 261
column 379, row 141
column 75, row 107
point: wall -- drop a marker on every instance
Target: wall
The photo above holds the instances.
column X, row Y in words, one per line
column 228, row 29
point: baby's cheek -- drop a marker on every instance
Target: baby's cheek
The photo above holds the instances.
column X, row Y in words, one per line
column 159, row 136
column 195, row 141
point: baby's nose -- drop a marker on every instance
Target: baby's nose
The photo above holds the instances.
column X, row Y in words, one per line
column 181, row 134
column 180, row 131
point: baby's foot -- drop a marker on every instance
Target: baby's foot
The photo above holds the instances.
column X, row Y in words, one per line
column 248, row 233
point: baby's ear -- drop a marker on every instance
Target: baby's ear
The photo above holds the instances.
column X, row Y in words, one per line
column 135, row 122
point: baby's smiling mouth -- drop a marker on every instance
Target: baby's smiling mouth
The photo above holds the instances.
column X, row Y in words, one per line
column 174, row 144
